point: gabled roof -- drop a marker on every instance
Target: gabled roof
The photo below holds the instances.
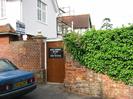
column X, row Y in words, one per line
column 79, row 21
column 6, row 28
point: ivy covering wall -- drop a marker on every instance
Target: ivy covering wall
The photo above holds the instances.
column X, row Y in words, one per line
column 106, row 51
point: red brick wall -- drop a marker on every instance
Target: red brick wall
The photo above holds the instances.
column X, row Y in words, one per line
column 4, row 40
column 84, row 81
column 27, row 55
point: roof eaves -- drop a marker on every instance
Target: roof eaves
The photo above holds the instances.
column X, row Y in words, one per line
column 5, row 33
column 55, row 4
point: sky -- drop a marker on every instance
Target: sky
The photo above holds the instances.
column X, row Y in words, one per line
column 119, row 11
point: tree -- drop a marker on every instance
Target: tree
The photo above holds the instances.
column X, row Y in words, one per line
column 106, row 24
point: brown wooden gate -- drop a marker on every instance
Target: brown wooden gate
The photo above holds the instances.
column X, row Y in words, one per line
column 56, row 62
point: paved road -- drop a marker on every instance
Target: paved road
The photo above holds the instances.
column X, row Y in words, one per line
column 51, row 91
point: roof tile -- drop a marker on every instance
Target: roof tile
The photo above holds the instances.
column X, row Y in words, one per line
column 79, row 21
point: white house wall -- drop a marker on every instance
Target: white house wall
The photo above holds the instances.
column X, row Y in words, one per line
column 13, row 13
column 51, row 16
column 33, row 26
column 26, row 12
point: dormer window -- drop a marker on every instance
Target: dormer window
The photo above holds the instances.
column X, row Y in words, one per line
column 2, row 8
column 41, row 10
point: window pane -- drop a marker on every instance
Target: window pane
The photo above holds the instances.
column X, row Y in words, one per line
column 43, row 6
column 2, row 8
column 43, row 16
column 39, row 3
column 6, row 66
column 39, row 14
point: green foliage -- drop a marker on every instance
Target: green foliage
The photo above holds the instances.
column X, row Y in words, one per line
column 106, row 51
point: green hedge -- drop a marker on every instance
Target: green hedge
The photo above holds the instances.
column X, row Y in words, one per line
column 106, row 51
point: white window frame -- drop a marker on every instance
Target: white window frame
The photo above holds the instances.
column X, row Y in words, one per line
column 2, row 8
column 42, row 11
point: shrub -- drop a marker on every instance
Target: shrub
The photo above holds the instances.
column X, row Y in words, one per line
column 106, row 51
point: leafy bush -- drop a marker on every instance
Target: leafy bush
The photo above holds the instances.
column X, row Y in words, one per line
column 106, row 51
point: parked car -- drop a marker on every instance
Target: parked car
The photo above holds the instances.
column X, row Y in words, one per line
column 14, row 82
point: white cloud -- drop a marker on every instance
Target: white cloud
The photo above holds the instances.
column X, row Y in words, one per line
column 119, row 11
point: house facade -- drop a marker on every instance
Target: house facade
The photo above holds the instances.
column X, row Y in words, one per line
column 77, row 23
column 30, row 16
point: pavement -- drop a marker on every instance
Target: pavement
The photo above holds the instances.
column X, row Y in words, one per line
column 54, row 91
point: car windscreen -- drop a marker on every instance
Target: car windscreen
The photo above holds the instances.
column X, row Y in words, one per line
column 6, row 66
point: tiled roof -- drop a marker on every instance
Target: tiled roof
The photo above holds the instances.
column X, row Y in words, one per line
column 79, row 21
column 6, row 28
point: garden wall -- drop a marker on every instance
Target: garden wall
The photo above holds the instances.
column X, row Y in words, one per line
column 84, row 81
column 27, row 55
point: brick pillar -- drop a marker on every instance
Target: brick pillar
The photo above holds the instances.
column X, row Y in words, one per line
column 42, row 41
